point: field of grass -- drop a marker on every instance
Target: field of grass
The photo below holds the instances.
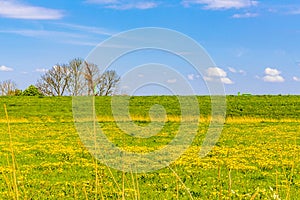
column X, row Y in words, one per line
column 256, row 157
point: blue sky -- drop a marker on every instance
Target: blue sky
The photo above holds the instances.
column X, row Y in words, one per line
column 255, row 44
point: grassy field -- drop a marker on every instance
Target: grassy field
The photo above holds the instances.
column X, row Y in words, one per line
column 256, row 157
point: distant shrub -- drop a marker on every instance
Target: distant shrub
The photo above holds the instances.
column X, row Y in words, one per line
column 32, row 91
column 17, row 92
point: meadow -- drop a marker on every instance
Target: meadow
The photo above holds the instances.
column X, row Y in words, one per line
column 256, row 156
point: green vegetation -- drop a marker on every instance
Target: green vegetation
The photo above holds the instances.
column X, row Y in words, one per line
column 31, row 91
column 256, row 157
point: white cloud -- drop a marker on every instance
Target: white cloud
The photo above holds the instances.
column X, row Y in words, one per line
column 272, row 72
column 102, row 1
column 207, row 78
column 295, row 78
column 273, row 79
column 140, row 6
column 125, row 5
column 70, row 34
column 172, row 81
column 43, row 33
column 140, row 75
column 41, row 70
column 80, row 43
column 6, row 69
column 245, row 15
column 226, row 80
column 191, row 77
column 294, row 12
column 233, row 70
column 273, row 76
column 221, row 4
column 217, row 74
column 286, row 9
column 216, row 71
column 89, row 29
column 58, row 36
column 242, row 72
column 17, row 10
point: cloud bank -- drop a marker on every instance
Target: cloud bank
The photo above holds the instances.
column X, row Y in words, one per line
column 14, row 9
column 221, row 4
column 5, row 69
column 217, row 74
column 125, row 5
column 273, row 76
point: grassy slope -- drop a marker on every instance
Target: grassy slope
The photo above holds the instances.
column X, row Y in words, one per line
column 60, row 108
column 258, row 150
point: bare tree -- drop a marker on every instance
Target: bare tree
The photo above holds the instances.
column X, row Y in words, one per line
column 108, row 83
column 76, row 82
column 8, row 88
column 92, row 77
column 78, row 78
column 55, row 81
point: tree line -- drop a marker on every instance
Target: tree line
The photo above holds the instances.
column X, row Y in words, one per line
column 77, row 78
